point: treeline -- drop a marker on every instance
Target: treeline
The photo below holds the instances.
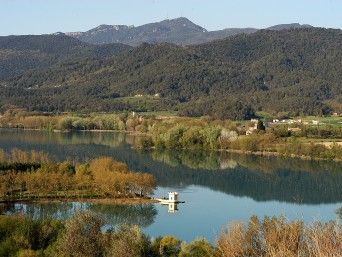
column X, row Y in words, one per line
column 208, row 135
column 27, row 179
column 296, row 71
column 17, row 156
column 19, row 118
column 22, row 161
column 82, row 236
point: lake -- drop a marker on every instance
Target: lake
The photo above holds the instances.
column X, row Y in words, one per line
column 217, row 187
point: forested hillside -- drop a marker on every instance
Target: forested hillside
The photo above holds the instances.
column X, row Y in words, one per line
column 289, row 70
column 21, row 53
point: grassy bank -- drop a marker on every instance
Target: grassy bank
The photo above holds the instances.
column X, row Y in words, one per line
column 82, row 236
column 28, row 176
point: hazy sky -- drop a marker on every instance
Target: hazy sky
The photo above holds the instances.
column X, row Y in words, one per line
column 47, row 16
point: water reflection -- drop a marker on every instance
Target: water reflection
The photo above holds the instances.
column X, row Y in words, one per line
column 171, row 207
column 260, row 178
column 142, row 214
column 210, row 160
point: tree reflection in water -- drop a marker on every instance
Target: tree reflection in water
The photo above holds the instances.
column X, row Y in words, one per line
column 140, row 214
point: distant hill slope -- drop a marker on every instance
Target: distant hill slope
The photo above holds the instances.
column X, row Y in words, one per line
column 172, row 31
column 180, row 31
column 288, row 70
column 21, row 53
column 289, row 26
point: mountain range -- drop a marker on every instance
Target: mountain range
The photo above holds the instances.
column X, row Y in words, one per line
column 19, row 54
column 179, row 31
column 287, row 68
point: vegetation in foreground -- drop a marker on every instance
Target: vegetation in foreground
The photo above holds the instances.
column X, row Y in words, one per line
column 303, row 140
column 31, row 175
column 83, row 236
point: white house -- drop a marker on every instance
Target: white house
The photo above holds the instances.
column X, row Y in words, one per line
column 173, row 197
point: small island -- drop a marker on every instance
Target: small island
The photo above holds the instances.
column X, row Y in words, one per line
column 32, row 176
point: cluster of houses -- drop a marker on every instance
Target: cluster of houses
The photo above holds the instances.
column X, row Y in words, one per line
column 140, row 95
column 250, row 130
column 298, row 121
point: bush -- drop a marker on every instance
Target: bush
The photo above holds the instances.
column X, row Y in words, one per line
column 20, row 236
column 278, row 237
column 197, row 248
column 128, row 241
column 169, row 246
column 82, row 236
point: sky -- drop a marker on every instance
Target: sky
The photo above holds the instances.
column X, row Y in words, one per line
column 19, row 17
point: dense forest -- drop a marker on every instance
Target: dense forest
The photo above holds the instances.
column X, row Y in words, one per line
column 19, row 54
column 296, row 70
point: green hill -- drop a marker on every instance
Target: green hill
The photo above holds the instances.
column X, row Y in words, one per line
column 19, row 54
column 297, row 70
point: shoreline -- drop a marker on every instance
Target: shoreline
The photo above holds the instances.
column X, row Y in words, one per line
column 134, row 133
column 276, row 154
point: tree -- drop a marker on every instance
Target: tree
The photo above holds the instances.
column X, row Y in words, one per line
column 197, row 248
column 82, row 236
column 261, row 126
column 169, row 246
column 128, row 241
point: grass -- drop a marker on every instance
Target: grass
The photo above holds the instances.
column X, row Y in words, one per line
column 144, row 102
column 317, row 140
column 329, row 120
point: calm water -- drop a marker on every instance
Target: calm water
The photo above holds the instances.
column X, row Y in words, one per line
column 217, row 187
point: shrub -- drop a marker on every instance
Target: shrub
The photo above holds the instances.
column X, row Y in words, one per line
column 82, row 236
column 128, row 241
column 169, row 246
column 197, row 248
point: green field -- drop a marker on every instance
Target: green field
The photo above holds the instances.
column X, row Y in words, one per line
column 329, row 120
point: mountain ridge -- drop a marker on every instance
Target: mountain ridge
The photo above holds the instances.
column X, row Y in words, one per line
column 180, row 31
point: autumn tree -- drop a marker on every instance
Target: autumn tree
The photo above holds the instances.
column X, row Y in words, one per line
column 128, row 241
column 169, row 246
column 197, row 248
column 82, row 237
